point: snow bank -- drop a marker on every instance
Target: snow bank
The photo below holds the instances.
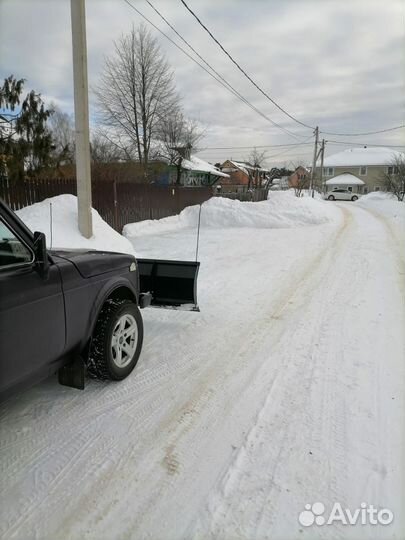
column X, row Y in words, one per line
column 308, row 193
column 385, row 204
column 281, row 210
column 378, row 196
column 65, row 231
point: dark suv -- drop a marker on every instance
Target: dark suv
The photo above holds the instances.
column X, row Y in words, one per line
column 77, row 310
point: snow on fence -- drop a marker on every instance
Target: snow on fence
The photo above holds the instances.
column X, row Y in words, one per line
column 118, row 203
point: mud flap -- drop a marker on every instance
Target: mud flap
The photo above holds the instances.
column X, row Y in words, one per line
column 73, row 374
column 172, row 284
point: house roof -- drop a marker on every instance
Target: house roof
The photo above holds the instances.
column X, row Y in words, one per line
column 356, row 157
column 245, row 166
column 345, row 179
column 197, row 164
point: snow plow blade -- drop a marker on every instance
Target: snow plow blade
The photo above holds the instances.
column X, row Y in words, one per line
column 172, row 284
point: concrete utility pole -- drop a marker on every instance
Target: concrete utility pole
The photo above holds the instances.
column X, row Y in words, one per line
column 83, row 173
column 314, row 160
column 322, row 156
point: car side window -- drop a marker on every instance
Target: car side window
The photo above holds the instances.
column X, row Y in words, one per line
column 12, row 250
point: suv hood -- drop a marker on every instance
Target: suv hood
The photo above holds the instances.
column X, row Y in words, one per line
column 93, row 263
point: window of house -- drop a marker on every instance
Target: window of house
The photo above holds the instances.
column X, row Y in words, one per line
column 392, row 169
column 350, row 188
column 365, row 190
column 363, row 171
column 376, row 188
column 328, row 171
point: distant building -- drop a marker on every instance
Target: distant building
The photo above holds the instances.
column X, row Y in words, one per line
column 358, row 169
column 299, row 178
column 195, row 172
column 240, row 172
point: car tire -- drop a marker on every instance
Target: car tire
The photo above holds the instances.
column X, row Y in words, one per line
column 354, row 198
column 331, row 198
column 116, row 342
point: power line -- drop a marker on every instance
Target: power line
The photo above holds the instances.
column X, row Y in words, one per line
column 269, row 97
column 365, row 133
column 353, row 143
column 243, row 71
column 343, row 143
column 223, row 82
column 292, row 147
column 288, row 149
column 242, row 158
column 216, row 72
column 254, row 146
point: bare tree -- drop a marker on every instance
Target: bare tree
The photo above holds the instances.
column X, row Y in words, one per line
column 301, row 184
column 394, row 179
column 301, row 180
column 178, row 135
column 61, row 126
column 256, row 160
column 135, row 92
column 104, row 150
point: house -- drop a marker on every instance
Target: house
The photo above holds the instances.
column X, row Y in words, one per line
column 192, row 171
column 299, row 178
column 242, row 176
column 358, row 169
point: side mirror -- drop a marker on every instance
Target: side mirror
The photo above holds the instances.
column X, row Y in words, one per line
column 41, row 254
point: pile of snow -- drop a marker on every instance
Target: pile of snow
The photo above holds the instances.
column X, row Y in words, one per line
column 281, row 210
column 65, row 230
column 385, row 204
column 378, row 196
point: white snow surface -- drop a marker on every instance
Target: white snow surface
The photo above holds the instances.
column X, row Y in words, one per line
column 388, row 206
column 281, row 210
column 357, row 157
column 344, row 180
column 65, row 230
column 197, row 164
column 286, row 389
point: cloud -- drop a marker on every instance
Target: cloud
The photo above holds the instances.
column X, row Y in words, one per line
column 330, row 63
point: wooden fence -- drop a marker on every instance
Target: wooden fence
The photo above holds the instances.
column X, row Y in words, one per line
column 118, row 203
column 252, row 196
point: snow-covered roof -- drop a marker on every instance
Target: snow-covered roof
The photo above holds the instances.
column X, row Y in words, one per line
column 197, row 164
column 242, row 166
column 357, row 157
column 245, row 167
column 345, row 179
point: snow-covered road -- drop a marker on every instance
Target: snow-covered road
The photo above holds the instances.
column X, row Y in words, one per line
column 287, row 389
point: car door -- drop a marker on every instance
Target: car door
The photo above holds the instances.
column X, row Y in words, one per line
column 32, row 320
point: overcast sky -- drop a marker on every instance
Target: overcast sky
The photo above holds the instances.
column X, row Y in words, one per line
column 338, row 64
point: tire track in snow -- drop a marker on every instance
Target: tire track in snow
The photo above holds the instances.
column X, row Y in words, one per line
column 336, row 489
column 239, row 471
column 201, row 401
column 170, row 418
